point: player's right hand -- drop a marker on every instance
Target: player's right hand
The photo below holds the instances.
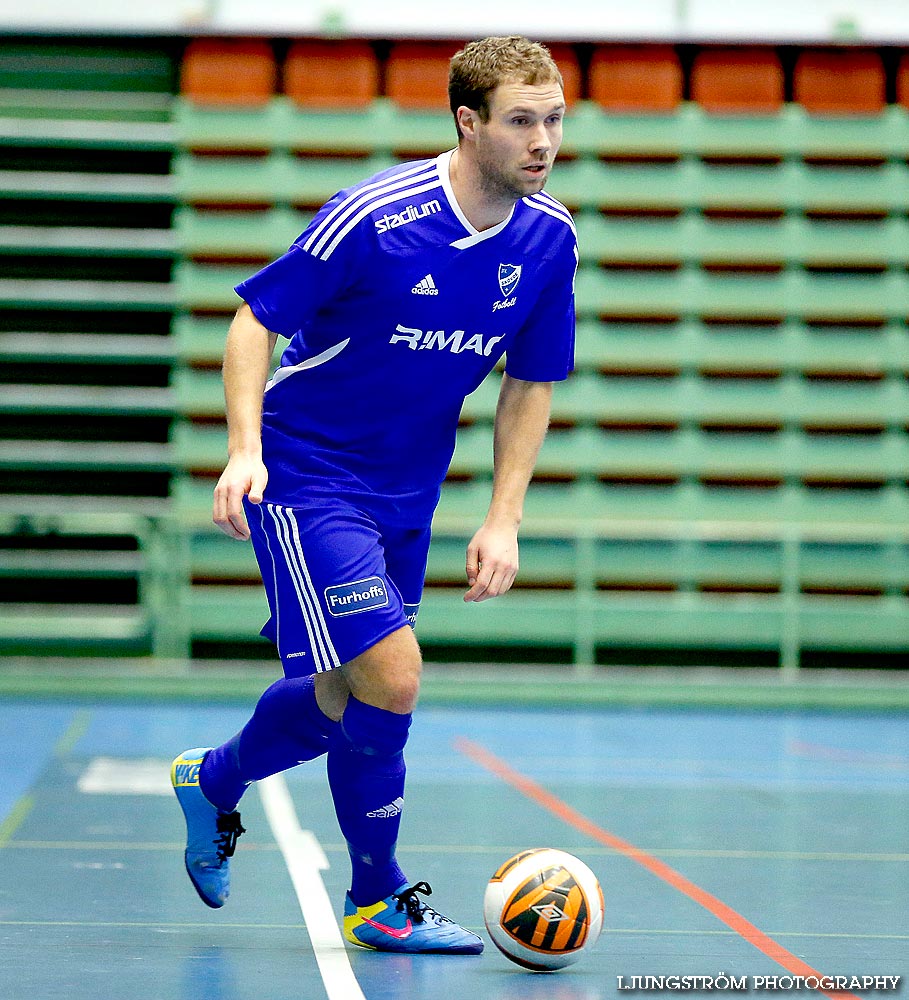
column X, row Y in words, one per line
column 242, row 476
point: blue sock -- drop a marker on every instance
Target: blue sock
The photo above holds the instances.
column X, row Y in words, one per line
column 286, row 729
column 366, row 774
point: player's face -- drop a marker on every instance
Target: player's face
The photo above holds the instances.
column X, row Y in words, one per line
column 516, row 147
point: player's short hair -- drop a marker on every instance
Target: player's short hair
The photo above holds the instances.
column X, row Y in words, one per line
column 481, row 66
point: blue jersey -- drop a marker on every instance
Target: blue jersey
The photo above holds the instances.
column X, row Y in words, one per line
column 396, row 309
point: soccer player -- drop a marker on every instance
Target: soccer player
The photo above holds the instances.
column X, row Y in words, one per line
column 398, row 300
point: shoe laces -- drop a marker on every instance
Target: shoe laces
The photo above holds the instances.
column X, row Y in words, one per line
column 417, row 910
column 229, row 828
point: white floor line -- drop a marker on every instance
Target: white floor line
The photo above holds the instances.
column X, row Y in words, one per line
column 116, row 776
column 305, row 859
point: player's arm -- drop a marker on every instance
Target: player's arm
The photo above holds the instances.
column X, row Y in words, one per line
column 522, row 416
column 247, row 359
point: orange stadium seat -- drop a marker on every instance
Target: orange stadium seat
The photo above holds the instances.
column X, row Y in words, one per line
column 840, row 81
column 737, row 81
column 636, row 78
column 902, row 81
column 416, row 74
column 567, row 60
column 342, row 74
column 234, row 71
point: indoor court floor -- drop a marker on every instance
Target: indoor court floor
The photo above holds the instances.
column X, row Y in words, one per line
column 739, row 844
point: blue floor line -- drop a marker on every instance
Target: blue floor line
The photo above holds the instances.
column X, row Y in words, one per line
column 29, row 735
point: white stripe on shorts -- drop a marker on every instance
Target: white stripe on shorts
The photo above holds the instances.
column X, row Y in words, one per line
column 321, row 627
column 281, row 535
column 274, row 575
column 325, row 656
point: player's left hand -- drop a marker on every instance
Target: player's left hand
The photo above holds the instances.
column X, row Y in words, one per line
column 492, row 562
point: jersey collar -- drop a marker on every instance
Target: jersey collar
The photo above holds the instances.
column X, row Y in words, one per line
column 474, row 235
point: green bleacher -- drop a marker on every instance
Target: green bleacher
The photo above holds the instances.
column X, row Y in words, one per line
column 726, row 476
column 86, row 253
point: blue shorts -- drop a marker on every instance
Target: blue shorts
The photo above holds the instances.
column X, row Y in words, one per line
column 337, row 582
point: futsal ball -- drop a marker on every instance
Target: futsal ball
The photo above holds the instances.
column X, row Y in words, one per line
column 543, row 909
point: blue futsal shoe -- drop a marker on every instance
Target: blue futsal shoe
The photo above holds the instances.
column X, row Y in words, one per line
column 402, row 922
column 211, row 835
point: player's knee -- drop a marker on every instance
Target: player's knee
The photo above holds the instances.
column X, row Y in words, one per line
column 399, row 690
column 374, row 731
column 387, row 676
column 395, row 693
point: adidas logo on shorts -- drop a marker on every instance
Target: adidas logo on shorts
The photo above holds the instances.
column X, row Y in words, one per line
column 425, row 286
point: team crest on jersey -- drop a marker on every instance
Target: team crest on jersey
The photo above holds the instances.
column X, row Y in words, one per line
column 509, row 276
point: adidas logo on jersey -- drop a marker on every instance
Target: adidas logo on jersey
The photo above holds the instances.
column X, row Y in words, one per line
column 425, row 286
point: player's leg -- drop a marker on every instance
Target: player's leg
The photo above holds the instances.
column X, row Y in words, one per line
column 292, row 722
column 289, row 726
column 323, row 567
column 366, row 769
column 366, row 772
column 383, row 910
column 323, row 570
column 333, row 602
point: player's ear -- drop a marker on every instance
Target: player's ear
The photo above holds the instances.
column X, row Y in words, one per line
column 467, row 121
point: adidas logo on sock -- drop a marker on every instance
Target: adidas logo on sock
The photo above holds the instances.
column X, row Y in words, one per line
column 387, row 812
column 426, row 286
